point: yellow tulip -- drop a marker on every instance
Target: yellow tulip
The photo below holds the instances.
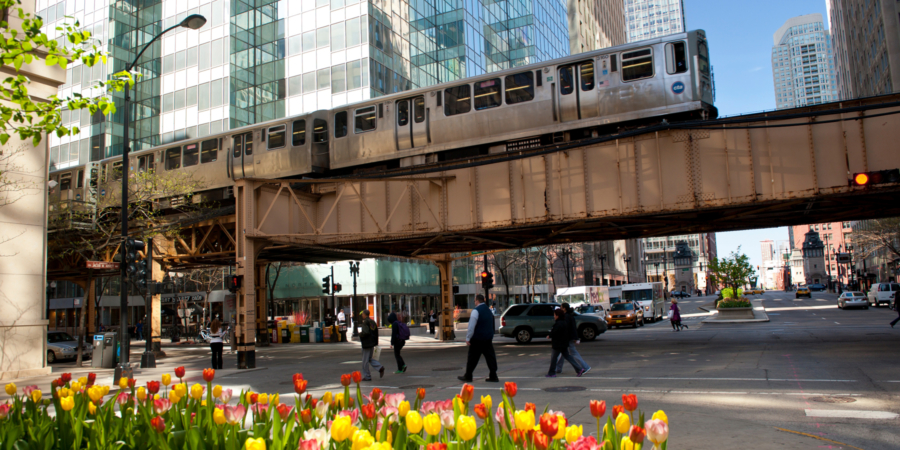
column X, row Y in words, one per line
column 67, row 403
column 156, row 397
column 174, row 397
column 660, row 415
column 341, row 429
column 263, row 399
column 203, row 403
column 623, row 423
column 123, row 383
column 76, row 386
column 181, row 389
column 36, row 395
column 141, row 394
column 525, row 420
column 626, row 443
column 197, row 391
column 11, row 389
column 166, row 379
column 403, row 409
column 573, row 432
column 379, row 446
column 217, row 391
column 413, row 422
column 327, row 397
column 390, row 437
column 362, row 439
column 248, row 395
column 63, row 392
column 275, row 400
column 105, row 390
column 432, row 424
column 218, row 416
column 83, row 381
column 561, row 430
column 465, row 426
column 255, row 444
column 95, row 393
column 486, row 399
column 92, row 408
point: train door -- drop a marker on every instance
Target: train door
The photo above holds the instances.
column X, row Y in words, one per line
column 412, row 123
column 678, row 78
column 242, row 155
column 577, row 97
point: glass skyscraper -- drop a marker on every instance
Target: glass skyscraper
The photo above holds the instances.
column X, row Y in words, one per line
column 257, row 60
column 648, row 19
column 803, row 63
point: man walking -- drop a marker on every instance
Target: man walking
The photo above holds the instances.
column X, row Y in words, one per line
column 478, row 337
column 368, row 337
column 432, row 321
column 897, row 307
column 573, row 339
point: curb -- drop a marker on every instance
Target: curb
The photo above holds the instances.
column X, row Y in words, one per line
column 759, row 314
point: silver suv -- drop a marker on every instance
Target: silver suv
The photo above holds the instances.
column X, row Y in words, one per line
column 529, row 320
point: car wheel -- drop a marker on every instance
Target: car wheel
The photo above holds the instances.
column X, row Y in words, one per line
column 587, row 333
column 523, row 335
column 866, row 307
column 635, row 323
column 51, row 357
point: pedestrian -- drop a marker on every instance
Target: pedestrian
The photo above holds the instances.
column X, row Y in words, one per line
column 572, row 328
column 399, row 336
column 341, row 318
column 432, row 321
column 139, row 330
column 215, row 343
column 896, row 307
column 368, row 338
column 675, row 315
column 479, row 337
column 560, row 339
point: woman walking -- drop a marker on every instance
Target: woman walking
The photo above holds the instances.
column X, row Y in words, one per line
column 215, row 343
column 675, row 316
column 398, row 340
column 559, row 337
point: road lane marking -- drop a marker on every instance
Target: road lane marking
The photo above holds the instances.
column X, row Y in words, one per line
column 812, row 380
column 816, row 437
column 851, row 414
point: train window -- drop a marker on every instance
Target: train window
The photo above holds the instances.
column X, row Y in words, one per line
column 487, row 94
column 365, row 119
column 277, row 137
column 79, row 181
column 320, row 131
column 340, row 124
column 237, row 144
column 566, row 80
column 703, row 56
column 116, row 171
column 538, row 77
column 637, row 65
column 191, row 156
column 676, row 58
column 613, row 63
column 209, row 151
column 248, row 143
column 458, row 100
column 173, row 158
column 519, row 88
column 587, row 76
column 65, row 181
column 299, row 133
column 419, row 109
column 403, row 113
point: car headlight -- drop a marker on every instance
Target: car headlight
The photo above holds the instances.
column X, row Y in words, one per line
column 630, row 315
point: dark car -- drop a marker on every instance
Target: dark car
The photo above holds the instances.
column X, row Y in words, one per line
column 680, row 294
column 816, row 287
column 61, row 345
column 525, row 321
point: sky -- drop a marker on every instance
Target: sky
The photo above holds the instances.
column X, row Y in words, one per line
column 740, row 45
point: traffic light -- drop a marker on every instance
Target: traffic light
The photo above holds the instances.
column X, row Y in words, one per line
column 326, row 285
column 143, row 272
column 132, row 247
column 234, row 283
column 337, row 287
column 877, row 177
column 487, row 280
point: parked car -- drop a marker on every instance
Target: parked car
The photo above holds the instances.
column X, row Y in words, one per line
column 816, row 287
column 679, row 294
column 803, row 291
column 853, row 298
column 61, row 345
column 625, row 313
column 526, row 321
column 882, row 293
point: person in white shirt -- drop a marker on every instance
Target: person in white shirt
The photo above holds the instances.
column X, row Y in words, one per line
column 215, row 343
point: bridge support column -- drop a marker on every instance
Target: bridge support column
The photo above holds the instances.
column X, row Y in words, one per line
column 246, row 251
column 445, row 263
column 162, row 246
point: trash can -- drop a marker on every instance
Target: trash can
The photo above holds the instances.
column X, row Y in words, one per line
column 343, row 331
column 105, row 346
column 319, row 335
column 304, row 333
column 285, row 334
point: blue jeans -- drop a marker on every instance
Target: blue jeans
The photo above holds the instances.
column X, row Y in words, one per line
column 564, row 354
column 574, row 353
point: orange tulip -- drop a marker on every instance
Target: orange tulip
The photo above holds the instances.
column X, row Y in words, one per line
column 467, row 392
column 549, row 424
column 481, row 411
column 617, row 409
column 368, row 411
column 306, row 416
column 598, row 408
column 530, row 407
column 209, row 375
column 541, row 441
column 630, row 402
column 420, row 393
column 300, row 386
column 357, row 377
column 637, row 434
column 510, row 388
column 345, row 380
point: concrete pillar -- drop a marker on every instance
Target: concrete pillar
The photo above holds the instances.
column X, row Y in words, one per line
column 162, row 247
column 445, row 321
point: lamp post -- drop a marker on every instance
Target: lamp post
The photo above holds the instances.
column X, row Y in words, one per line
column 627, row 260
column 602, row 270
column 194, row 21
column 354, row 271
column 657, row 270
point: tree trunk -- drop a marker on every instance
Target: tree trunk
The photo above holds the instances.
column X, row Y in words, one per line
column 88, row 296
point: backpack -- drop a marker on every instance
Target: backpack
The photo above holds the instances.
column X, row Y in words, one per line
column 403, row 331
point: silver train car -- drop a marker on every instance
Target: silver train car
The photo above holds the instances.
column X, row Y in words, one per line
column 567, row 99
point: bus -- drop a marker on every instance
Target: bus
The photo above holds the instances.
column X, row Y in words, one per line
column 586, row 299
column 649, row 295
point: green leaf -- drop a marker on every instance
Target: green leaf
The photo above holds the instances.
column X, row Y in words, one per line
column 4, row 137
column 63, row 62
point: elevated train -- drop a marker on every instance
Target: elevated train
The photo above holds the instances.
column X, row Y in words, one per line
column 567, row 99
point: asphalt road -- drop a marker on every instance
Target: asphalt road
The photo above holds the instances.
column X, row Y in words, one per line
column 813, row 377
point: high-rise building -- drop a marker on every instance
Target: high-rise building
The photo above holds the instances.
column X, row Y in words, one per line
column 803, row 64
column 647, row 19
column 866, row 46
column 768, row 250
column 595, row 24
column 659, row 259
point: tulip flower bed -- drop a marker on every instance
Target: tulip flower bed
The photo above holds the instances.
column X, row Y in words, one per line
column 163, row 415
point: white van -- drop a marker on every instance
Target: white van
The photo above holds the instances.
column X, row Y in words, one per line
column 883, row 293
column 649, row 296
column 586, row 299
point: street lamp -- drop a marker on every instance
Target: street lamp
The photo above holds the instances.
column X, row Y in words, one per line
column 602, row 270
column 627, row 260
column 354, row 271
column 657, row 270
column 193, row 22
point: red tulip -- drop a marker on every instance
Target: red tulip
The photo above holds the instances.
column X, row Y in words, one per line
column 629, row 401
column 312, row 401
column 516, row 436
column 91, row 378
column 297, row 376
column 283, row 410
column 377, row 396
column 420, row 393
column 368, row 411
column 306, row 416
column 549, row 424
column 300, row 386
column 254, row 398
column 179, row 372
column 598, row 408
column 637, row 434
column 158, row 424
column 530, row 407
column 541, row 441
column 357, row 377
column 510, row 388
column 132, row 382
column 55, row 383
column 481, row 411
column 66, row 377
column 153, row 387
column 436, row 446
column 345, row 380
column 467, row 392
column 617, row 409
column 209, row 375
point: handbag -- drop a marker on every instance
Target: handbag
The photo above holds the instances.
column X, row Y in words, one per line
column 376, row 352
column 671, row 313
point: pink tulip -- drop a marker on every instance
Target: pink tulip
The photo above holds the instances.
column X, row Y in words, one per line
column 259, row 409
column 447, row 420
column 122, row 398
column 389, row 411
column 26, row 391
column 584, row 443
column 427, row 408
column 394, row 400
column 4, row 410
column 309, row 444
column 234, row 414
column 162, row 405
column 353, row 414
column 226, row 395
column 499, row 415
column 657, row 431
column 445, row 405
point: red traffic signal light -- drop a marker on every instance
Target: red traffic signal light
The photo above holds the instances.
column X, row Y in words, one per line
column 484, row 274
column 234, row 283
column 861, row 179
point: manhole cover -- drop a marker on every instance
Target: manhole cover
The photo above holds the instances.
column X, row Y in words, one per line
column 565, row 389
column 416, row 386
column 833, row 399
column 446, row 369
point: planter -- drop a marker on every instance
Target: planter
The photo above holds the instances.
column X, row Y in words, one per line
column 735, row 313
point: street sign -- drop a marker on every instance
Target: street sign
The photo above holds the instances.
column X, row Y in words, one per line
column 102, row 265
column 843, row 258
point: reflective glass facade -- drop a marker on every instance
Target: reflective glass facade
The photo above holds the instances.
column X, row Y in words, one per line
column 803, row 70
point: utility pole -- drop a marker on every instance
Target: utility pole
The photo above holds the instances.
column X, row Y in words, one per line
column 487, row 288
column 354, row 271
column 627, row 260
column 603, row 270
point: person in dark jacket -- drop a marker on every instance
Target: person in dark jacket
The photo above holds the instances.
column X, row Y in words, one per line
column 560, row 339
column 432, row 321
column 897, row 307
column 479, row 338
column 368, row 337
column 572, row 327
column 397, row 343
